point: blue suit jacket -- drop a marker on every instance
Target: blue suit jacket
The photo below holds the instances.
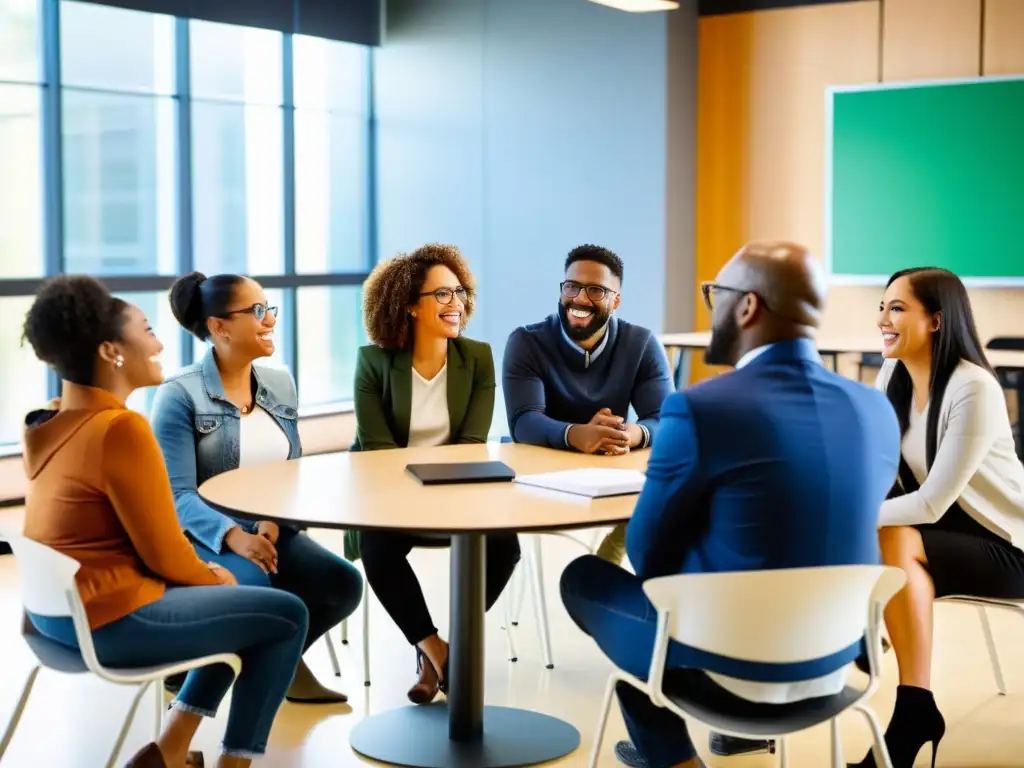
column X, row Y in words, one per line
column 780, row 464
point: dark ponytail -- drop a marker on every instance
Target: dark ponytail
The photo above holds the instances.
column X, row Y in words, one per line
column 195, row 298
column 940, row 291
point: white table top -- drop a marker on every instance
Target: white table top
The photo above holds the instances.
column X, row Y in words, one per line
column 372, row 490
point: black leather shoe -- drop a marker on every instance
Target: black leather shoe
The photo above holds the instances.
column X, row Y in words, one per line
column 627, row 755
column 730, row 746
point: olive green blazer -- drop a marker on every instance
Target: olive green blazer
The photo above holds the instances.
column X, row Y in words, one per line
column 383, row 400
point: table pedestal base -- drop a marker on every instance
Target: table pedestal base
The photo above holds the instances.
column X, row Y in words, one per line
column 418, row 737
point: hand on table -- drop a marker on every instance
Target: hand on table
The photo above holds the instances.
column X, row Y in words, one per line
column 605, row 433
column 255, row 547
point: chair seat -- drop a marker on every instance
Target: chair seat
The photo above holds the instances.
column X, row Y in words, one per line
column 765, row 720
column 59, row 657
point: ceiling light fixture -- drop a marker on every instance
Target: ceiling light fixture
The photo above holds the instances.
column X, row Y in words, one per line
column 639, row 6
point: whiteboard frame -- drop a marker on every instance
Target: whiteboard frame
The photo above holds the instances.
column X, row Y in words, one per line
column 830, row 94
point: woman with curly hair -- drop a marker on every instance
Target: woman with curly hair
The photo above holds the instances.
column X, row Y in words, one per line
column 421, row 383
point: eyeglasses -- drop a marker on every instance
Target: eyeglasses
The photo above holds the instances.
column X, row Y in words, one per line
column 708, row 289
column 596, row 293
column 259, row 311
column 445, row 295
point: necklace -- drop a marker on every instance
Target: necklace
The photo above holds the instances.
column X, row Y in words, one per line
column 245, row 409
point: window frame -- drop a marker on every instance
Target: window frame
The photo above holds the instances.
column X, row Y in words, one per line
column 54, row 234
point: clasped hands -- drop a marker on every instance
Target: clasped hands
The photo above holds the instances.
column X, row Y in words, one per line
column 258, row 547
column 605, row 433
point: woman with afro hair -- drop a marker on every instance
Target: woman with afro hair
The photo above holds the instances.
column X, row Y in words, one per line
column 422, row 383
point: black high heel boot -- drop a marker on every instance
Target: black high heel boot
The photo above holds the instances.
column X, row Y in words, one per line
column 916, row 720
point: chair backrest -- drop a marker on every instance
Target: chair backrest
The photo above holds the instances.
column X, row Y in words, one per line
column 47, row 577
column 777, row 616
column 1011, row 343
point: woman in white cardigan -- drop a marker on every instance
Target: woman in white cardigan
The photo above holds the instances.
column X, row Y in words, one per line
column 955, row 521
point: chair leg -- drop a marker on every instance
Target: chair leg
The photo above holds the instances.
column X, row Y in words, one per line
column 878, row 747
column 837, row 745
column 366, row 637
column 506, row 604
column 993, row 652
column 606, row 706
column 518, row 577
column 540, row 606
column 344, row 630
column 332, row 653
column 783, row 756
column 158, row 700
column 112, row 762
column 19, row 708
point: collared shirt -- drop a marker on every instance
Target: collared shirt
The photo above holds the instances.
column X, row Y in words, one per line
column 755, row 353
column 590, row 356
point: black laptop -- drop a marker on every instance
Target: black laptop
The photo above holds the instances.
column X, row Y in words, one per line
column 462, row 472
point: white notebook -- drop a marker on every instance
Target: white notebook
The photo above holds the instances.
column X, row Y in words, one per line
column 593, row 482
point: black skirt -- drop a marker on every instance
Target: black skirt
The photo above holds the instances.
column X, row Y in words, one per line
column 965, row 558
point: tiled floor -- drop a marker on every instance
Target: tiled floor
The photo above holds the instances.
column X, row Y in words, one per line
column 71, row 722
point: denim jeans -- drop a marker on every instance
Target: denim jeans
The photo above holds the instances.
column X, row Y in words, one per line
column 265, row 627
column 330, row 586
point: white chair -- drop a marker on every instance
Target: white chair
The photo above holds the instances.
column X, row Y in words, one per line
column 48, row 589
column 335, row 666
column 533, row 565
column 366, row 636
column 983, row 603
column 780, row 616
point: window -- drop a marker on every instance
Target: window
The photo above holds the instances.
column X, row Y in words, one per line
column 237, row 149
column 118, row 137
column 237, row 188
column 108, row 128
column 331, row 320
column 21, row 227
column 19, row 41
column 114, row 49
column 331, row 170
column 23, row 384
column 119, row 199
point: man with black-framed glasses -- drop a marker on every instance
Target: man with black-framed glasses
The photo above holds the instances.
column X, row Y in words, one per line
column 570, row 380
column 777, row 464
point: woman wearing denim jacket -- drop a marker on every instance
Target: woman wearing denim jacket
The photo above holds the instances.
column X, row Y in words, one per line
column 223, row 413
column 100, row 495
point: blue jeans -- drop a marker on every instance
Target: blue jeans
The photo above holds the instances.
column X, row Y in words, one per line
column 329, row 585
column 265, row 627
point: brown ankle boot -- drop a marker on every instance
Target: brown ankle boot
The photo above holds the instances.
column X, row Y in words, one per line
column 426, row 687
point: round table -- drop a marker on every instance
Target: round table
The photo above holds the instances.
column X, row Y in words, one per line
column 372, row 491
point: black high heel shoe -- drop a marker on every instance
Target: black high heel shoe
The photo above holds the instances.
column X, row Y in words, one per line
column 916, row 720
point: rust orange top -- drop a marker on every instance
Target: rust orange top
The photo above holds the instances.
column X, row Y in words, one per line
column 99, row 492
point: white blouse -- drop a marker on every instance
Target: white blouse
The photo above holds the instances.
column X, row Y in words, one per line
column 261, row 439
column 429, row 422
column 975, row 460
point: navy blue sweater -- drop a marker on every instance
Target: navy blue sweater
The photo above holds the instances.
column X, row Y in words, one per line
column 550, row 384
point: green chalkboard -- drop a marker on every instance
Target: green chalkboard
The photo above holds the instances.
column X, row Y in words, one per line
column 927, row 174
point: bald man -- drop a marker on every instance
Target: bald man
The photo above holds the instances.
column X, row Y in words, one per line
column 777, row 464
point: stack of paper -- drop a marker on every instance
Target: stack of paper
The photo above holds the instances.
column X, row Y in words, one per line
column 593, row 482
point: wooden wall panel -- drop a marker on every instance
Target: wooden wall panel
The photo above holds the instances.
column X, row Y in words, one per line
column 1004, row 37
column 761, row 121
column 931, row 39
